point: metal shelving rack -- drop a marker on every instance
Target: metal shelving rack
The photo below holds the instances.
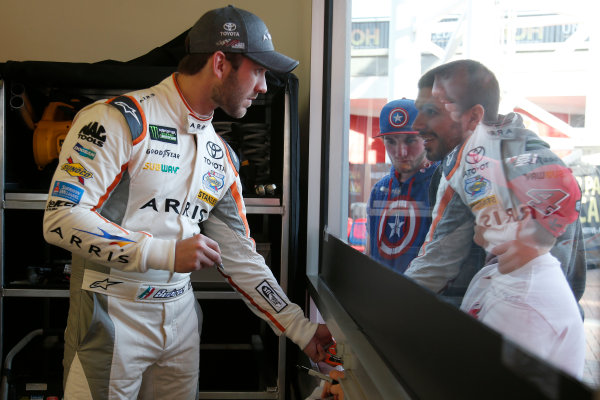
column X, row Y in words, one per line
column 263, row 206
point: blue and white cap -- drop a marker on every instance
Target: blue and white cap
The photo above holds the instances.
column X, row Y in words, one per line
column 396, row 117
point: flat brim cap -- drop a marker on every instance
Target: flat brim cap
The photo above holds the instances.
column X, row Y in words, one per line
column 397, row 117
column 233, row 30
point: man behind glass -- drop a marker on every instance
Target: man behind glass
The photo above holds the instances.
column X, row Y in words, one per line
column 398, row 208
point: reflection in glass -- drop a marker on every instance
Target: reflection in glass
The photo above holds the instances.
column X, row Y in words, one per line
column 542, row 54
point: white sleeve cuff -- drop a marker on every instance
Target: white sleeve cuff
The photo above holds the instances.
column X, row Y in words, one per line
column 159, row 254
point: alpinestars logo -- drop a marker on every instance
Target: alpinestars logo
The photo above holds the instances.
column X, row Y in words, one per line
column 104, row 284
column 127, row 109
column 93, row 133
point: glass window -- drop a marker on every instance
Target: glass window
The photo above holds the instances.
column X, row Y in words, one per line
column 544, row 58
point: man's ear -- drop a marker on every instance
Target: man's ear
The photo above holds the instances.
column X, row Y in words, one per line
column 219, row 64
column 473, row 116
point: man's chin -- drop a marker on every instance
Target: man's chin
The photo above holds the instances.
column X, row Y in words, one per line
column 239, row 113
column 433, row 155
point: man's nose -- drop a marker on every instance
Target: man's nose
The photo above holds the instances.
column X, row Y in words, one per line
column 403, row 150
column 261, row 85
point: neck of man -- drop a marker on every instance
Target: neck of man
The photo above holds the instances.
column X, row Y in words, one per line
column 196, row 92
column 404, row 176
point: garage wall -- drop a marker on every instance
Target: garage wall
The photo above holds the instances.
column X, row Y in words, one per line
column 91, row 31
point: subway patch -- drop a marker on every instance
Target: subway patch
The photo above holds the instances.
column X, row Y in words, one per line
column 168, row 169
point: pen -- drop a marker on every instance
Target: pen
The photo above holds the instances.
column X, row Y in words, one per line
column 319, row 375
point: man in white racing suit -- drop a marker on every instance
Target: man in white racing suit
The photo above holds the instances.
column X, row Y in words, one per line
column 138, row 175
column 522, row 197
column 449, row 259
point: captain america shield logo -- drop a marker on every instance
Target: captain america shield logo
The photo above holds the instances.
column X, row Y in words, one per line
column 398, row 228
column 398, row 117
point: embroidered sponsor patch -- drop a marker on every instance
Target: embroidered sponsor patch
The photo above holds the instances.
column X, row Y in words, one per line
column 151, row 292
column 67, row 191
column 53, row 205
column 483, row 203
column 214, row 150
column 82, row 151
column 163, row 153
column 212, row 200
column 271, row 296
column 163, row 134
column 213, row 181
column 475, row 155
column 77, row 170
column 93, row 133
column 477, row 186
column 167, row 169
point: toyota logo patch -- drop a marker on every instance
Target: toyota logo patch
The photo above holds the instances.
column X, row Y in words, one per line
column 214, row 150
column 475, row 155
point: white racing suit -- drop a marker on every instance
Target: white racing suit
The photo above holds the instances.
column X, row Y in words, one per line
column 474, row 189
column 136, row 174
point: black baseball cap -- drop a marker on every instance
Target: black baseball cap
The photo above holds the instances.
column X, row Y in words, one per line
column 233, row 30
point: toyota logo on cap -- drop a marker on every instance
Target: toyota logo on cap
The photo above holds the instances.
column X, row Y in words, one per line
column 229, row 26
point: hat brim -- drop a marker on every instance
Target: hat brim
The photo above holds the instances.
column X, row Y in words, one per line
column 396, row 133
column 273, row 61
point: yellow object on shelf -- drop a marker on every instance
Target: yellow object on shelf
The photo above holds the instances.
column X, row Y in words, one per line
column 50, row 132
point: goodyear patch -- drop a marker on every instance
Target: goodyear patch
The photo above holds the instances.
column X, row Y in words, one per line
column 67, row 191
column 271, row 296
column 163, row 134
column 206, row 197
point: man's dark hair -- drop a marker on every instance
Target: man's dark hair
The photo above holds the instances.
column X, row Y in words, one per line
column 426, row 80
column 481, row 85
column 193, row 63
